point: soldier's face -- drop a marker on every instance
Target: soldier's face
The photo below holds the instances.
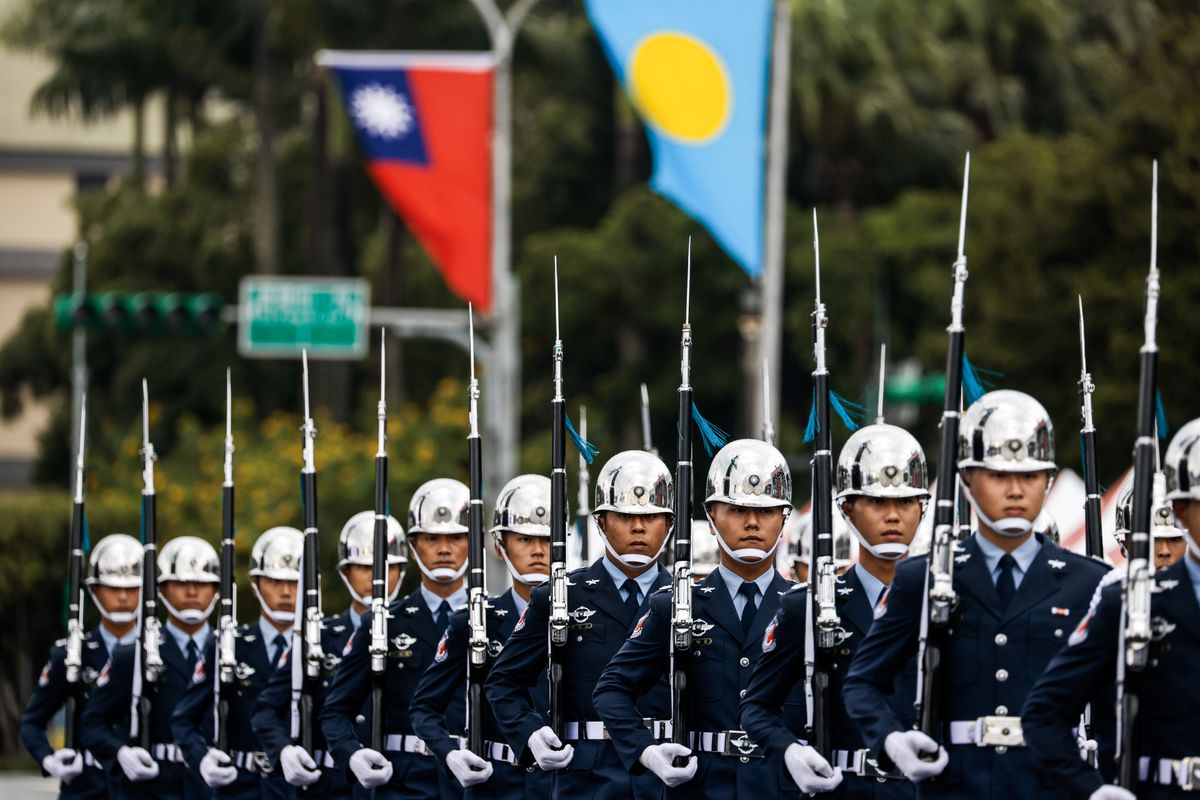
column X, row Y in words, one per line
column 116, row 600
column 1008, row 494
column 278, row 595
column 745, row 527
column 443, row 550
column 360, row 576
column 885, row 519
column 528, row 554
column 1168, row 550
column 189, row 594
column 635, row 534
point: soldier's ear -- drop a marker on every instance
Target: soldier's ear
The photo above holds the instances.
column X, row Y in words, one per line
column 601, row 519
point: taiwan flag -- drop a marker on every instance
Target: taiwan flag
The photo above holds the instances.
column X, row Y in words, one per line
column 425, row 123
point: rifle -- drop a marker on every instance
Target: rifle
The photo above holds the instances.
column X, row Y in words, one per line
column 74, row 655
column 681, row 584
column 823, row 617
column 940, row 597
column 1139, row 581
column 477, row 638
column 1087, row 435
column 149, row 658
column 583, row 510
column 647, row 439
column 768, row 430
column 558, row 529
column 227, row 619
column 379, row 565
column 310, row 611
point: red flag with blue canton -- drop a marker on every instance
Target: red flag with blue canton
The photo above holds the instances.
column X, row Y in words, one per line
column 425, row 123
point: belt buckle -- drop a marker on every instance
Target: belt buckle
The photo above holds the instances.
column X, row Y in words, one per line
column 744, row 745
column 999, row 732
column 1189, row 774
column 262, row 764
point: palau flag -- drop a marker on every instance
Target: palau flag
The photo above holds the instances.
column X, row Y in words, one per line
column 425, row 123
column 696, row 71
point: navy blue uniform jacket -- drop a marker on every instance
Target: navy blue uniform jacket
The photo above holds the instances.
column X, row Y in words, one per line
column 781, row 668
column 990, row 663
column 723, row 658
column 48, row 697
column 598, row 627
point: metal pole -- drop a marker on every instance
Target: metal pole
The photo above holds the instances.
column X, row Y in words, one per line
column 79, row 373
column 771, row 284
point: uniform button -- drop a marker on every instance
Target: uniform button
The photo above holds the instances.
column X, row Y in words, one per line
column 745, row 662
column 360, row 719
column 695, row 653
column 744, row 760
column 1001, row 750
column 742, row 693
column 579, row 638
column 1058, row 633
column 1001, row 640
column 1001, row 675
column 1002, row 711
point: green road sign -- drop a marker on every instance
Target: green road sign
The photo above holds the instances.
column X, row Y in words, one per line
column 278, row 316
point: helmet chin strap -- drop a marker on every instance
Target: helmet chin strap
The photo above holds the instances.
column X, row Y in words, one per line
column 888, row 551
column 275, row 616
column 634, row 560
column 115, row 617
column 1007, row 526
column 743, row 555
column 366, row 601
column 527, row 578
column 190, row 616
column 438, row 574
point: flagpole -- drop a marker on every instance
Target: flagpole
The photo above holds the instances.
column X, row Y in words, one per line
column 771, row 282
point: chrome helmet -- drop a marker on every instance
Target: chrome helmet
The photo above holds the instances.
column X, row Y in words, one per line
column 1163, row 524
column 116, row 561
column 439, row 506
column 276, row 554
column 188, row 559
column 356, row 542
column 1181, row 464
column 1006, row 431
column 749, row 472
column 523, row 508
column 798, row 530
column 1047, row 526
column 635, row 482
column 881, row 461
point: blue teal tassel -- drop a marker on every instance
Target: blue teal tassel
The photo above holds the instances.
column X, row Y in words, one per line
column 850, row 412
column 713, row 437
column 975, row 387
column 585, row 448
column 87, row 540
column 1161, row 415
column 810, row 429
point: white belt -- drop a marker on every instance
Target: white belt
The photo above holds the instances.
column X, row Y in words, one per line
column 987, row 732
column 323, row 758
column 1183, row 773
column 499, row 751
column 406, row 743
column 251, row 761
column 591, row 731
column 859, row 762
column 167, row 752
column 726, row 743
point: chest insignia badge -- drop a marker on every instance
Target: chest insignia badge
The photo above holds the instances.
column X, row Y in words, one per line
column 1056, row 564
column 708, row 589
column 404, row 641
column 582, row 614
column 701, row 627
column 592, row 581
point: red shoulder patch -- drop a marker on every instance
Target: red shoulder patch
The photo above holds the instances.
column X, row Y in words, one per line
column 768, row 642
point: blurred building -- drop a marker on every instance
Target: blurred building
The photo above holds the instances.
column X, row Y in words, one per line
column 45, row 163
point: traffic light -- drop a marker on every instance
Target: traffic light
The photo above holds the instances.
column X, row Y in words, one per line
column 139, row 310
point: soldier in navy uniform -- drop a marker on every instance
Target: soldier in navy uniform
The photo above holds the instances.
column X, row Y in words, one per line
column 437, row 535
column 633, row 509
column 188, row 575
column 1167, row 538
column 244, row 772
column 748, row 497
column 882, row 489
column 521, row 537
column 114, row 580
column 1019, row 596
column 315, row 772
column 1166, row 746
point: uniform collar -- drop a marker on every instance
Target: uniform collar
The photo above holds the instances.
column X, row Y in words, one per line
column 518, row 601
column 434, row 602
column 1024, row 555
column 870, row 584
column 200, row 637
column 111, row 641
column 645, row 581
column 734, row 582
column 355, row 618
column 268, row 633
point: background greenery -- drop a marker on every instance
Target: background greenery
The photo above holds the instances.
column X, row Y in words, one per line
column 1063, row 103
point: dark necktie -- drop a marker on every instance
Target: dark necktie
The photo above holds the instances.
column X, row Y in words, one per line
column 443, row 615
column 280, row 643
column 632, row 597
column 192, row 652
column 1006, row 587
column 750, row 592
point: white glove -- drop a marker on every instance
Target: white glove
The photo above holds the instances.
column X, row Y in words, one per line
column 298, row 766
column 468, row 768
column 905, row 748
column 137, row 764
column 216, row 769
column 548, row 751
column 810, row 770
column 371, row 767
column 63, row 764
column 1110, row 792
column 659, row 759
column 1087, row 749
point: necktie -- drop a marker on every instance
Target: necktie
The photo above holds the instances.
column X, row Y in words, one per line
column 192, row 652
column 632, row 598
column 280, row 643
column 750, row 592
column 1006, row 587
column 443, row 615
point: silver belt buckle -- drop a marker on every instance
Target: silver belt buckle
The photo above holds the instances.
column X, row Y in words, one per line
column 1189, row 774
column 999, row 732
column 742, row 743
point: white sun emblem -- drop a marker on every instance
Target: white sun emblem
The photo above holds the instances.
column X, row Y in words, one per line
column 382, row 111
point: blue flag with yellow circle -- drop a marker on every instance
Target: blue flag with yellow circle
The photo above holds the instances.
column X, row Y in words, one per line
column 696, row 71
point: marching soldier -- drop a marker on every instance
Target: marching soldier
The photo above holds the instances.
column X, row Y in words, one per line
column 272, row 719
column 1019, row 596
column 748, row 497
column 521, row 536
column 1166, row 536
column 882, row 487
column 245, row 771
column 634, row 496
column 1165, row 744
column 437, row 535
column 114, row 581
column 188, row 575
